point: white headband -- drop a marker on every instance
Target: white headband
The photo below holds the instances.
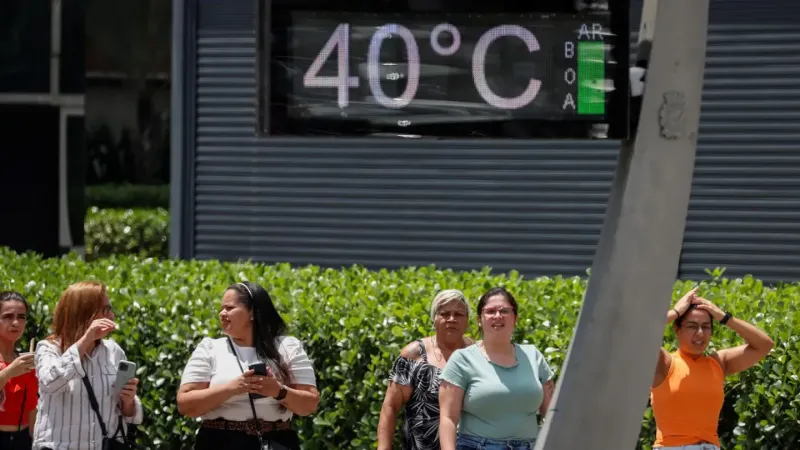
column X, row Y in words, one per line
column 248, row 290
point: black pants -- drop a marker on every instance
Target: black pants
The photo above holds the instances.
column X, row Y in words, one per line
column 15, row 440
column 211, row 439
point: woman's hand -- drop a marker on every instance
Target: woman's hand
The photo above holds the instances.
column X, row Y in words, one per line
column 241, row 384
column 685, row 302
column 265, row 385
column 709, row 307
column 21, row 365
column 127, row 397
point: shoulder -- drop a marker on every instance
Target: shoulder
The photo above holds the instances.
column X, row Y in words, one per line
column 48, row 345
column 413, row 350
column 289, row 345
column 465, row 354
column 530, row 349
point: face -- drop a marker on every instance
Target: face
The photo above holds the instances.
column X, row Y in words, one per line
column 497, row 318
column 695, row 332
column 12, row 320
column 234, row 316
column 451, row 321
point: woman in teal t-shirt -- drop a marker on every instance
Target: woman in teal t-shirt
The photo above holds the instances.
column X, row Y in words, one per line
column 492, row 391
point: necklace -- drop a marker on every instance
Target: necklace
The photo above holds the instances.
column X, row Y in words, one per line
column 436, row 347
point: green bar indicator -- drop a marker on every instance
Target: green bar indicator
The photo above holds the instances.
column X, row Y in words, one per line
column 591, row 78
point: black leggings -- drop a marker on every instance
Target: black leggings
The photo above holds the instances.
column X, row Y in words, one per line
column 212, row 439
column 15, row 440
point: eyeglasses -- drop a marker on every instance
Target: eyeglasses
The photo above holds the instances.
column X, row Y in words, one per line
column 693, row 327
column 491, row 312
column 107, row 309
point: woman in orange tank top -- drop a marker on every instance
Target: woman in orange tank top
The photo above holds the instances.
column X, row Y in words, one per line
column 687, row 390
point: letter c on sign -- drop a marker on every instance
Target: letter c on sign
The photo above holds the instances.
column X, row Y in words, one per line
column 479, row 67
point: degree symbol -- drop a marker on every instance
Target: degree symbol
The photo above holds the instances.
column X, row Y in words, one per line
column 437, row 47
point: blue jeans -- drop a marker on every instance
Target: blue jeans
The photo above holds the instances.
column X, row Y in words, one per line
column 467, row 442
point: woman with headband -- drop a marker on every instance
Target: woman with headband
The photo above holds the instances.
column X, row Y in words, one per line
column 414, row 380
column 240, row 406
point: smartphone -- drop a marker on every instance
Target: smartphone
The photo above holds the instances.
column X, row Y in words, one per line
column 259, row 369
column 126, row 370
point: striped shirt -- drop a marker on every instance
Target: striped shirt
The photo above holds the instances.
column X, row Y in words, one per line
column 65, row 419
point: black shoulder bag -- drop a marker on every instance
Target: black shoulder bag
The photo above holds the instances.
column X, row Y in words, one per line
column 264, row 444
column 109, row 443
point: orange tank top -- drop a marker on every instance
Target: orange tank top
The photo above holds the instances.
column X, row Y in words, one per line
column 687, row 403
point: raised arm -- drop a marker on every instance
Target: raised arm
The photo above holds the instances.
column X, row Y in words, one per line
column 54, row 369
column 737, row 359
column 664, row 358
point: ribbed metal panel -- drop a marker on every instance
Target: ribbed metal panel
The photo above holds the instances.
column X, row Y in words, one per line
column 536, row 207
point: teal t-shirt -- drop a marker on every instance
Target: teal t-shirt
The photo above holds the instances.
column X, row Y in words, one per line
column 499, row 402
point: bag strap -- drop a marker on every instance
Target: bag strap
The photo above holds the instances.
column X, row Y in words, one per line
column 96, row 408
column 95, row 405
column 22, row 409
column 252, row 404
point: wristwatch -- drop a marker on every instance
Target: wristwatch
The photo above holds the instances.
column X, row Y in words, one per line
column 281, row 394
column 726, row 318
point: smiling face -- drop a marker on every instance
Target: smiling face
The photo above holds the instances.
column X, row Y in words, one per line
column 497, row 318
column 694, row 332
column 234, row 316
column 13, row 316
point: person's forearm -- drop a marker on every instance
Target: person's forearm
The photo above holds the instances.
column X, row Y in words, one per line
column 755, row 338
column 671, row 315
column 386, row 428
column 3, row 378
column 447, row 433
column 199, row 402
column 300, row 402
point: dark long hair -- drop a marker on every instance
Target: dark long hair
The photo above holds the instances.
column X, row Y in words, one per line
column 268, row 325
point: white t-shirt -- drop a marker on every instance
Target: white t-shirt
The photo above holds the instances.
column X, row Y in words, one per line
column 213, row 362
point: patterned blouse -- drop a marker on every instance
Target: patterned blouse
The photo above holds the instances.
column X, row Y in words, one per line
column 421, row 426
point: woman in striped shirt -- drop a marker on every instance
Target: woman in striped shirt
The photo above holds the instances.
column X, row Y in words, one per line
column 75, row 353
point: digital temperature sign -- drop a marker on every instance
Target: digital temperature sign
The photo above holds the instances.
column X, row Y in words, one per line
column 370, row 70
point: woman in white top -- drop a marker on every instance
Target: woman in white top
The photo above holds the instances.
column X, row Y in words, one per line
column 66, row 419
column 217, row 383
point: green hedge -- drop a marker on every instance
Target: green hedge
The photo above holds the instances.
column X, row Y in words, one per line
column 354, row 323
column 126, row 196
column 140, row 232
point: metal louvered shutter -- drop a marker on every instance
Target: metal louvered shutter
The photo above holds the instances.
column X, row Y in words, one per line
column 534, row 206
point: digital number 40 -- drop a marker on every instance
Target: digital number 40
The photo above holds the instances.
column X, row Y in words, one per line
column 343, row 81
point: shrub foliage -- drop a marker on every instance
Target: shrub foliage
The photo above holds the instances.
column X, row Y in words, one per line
column 140, row 232
column 354, row 323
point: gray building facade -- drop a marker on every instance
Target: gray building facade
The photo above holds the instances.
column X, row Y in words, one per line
column 531, row 206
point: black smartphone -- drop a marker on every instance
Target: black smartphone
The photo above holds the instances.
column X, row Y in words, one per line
column 259, row 369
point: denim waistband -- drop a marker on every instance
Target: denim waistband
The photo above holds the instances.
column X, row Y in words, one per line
column 486, row 441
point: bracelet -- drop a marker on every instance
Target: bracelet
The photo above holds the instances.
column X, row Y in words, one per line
column 726, row 318
column 676, row 312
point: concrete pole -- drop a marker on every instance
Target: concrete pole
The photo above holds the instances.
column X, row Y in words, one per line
column 603, row 389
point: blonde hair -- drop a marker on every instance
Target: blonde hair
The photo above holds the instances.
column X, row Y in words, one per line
column 444, row 298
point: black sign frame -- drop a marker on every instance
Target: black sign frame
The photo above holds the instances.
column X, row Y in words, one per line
column 274, row 17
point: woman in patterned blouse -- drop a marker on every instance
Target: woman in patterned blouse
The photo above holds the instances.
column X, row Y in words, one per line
column 414, row 379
